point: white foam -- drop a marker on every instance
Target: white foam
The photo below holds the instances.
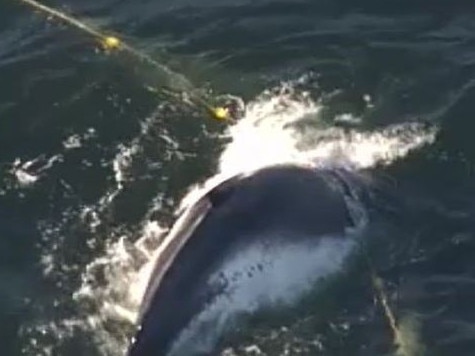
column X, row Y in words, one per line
column 121, row 265
column 122, row 163
column 76, row 141
column 29, row 172
column 267, row 135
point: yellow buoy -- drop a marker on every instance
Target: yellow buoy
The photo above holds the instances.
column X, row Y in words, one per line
column 111, row 43
column 220, row 113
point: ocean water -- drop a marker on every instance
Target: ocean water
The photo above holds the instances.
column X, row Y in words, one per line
column 97, row 159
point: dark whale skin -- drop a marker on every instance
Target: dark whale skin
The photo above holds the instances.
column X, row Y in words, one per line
column 276, row 199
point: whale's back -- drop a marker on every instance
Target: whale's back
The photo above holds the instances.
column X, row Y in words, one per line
column 247, row 226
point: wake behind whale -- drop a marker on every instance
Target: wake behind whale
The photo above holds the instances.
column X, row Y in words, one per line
column 253, row 242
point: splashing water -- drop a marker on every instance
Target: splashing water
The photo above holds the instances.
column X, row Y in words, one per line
column 268, row 134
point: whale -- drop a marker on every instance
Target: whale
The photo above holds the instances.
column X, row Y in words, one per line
column 257, row 240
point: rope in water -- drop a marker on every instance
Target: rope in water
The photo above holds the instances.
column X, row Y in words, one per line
column 404, row 347
column 113, row 43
